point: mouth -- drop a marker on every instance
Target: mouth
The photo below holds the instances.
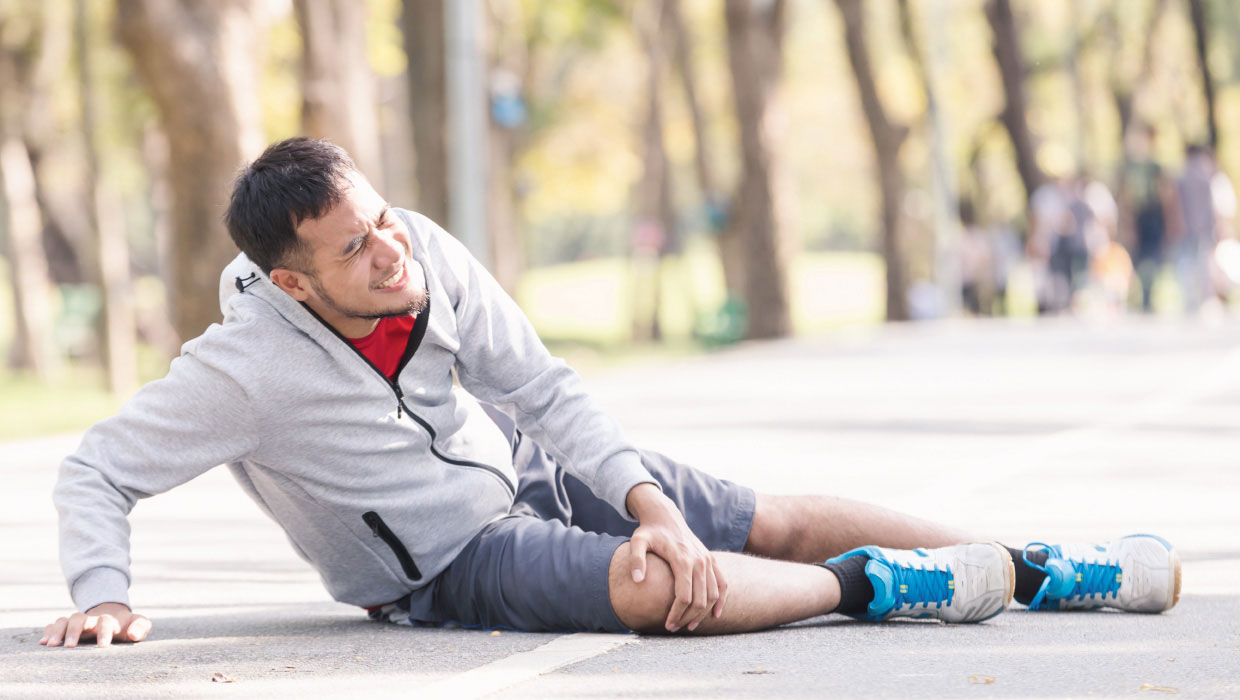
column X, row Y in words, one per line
column 395, row 281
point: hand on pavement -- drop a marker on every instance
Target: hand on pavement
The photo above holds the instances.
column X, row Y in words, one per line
column 105, row 623
column 700, row 586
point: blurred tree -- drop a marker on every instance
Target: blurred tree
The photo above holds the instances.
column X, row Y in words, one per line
column 338, row 87
column 507, row 65
column 679, row 39
column 947, row 223
column 198, row 61
column 423, row 24
column 1007, row 50
column 655, row 221
column 1201, row 35
column 1128, row 89
column 887, row 137
column 117, row 326
column 754, row 249
column 25, row 48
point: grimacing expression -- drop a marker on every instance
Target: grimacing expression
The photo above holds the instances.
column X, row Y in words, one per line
column 361, row 260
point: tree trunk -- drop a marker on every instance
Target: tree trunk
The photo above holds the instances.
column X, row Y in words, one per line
column 942, row 175
column 117, row 329
column 423, row 23
column 1200, row 32
column 656, row 218
column 198, row 61
column 679, row 38
column 1011, row 69
column 338, row 87
column 887, row 139
column 1128, row 94
column 32, row 342
column 755, row 232
column 25, row 73
column 508, row 60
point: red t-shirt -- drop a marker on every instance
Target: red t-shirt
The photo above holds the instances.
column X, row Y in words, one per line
column 386, row 343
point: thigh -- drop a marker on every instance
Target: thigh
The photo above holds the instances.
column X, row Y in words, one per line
column 719, row 512
column 526, row 573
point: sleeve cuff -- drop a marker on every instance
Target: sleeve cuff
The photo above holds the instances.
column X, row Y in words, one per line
column 101, row 585
column 617, row 476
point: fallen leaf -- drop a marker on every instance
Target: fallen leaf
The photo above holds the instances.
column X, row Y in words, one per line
column 1158, row 688
column 981, row 680
column 218, row 677
column 495, row 633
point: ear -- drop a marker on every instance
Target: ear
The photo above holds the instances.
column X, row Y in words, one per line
column 294, row 283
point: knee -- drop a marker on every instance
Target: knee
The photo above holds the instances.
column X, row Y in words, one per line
column 642, row 607
column 770, row 535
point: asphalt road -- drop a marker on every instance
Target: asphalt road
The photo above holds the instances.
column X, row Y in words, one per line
column 1055, row 431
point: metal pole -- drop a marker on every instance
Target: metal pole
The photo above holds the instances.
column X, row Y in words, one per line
column 942, row 174
column 467, row 133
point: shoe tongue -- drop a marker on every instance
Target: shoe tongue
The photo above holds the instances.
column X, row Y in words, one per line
column 1062, row 577
column 884, row 587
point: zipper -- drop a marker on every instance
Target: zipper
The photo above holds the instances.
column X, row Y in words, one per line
column 415, row 339
column 383, row 532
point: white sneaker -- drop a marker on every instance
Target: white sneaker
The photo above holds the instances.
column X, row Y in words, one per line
column 1137, row 573
column 963, row 583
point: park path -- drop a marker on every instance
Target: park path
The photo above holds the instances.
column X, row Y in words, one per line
column 1052, row 430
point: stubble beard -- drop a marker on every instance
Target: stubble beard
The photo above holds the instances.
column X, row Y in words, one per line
column 415, row 306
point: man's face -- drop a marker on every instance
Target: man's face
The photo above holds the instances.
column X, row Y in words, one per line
column 361, row 269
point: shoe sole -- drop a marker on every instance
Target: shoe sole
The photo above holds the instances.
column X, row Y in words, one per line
column 1176, row 595
column 1011, row 580
column 1175, row 573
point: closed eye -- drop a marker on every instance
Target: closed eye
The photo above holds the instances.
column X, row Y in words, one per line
column 357, row 245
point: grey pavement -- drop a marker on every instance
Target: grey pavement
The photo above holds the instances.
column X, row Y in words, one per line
column 1053, row 431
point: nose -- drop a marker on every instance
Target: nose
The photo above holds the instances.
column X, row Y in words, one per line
column 389, row 251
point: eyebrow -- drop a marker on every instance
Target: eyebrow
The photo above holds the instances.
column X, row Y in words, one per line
column 357, row 240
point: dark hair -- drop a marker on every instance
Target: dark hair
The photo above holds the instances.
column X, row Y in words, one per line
column 293, row 180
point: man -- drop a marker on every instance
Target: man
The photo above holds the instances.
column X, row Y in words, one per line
column 329, row 391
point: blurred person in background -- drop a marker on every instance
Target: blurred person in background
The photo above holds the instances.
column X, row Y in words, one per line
column 977, row 265
column 1051, row 221
column 1200, row 189
column 1146, row 196
column 1110, row 267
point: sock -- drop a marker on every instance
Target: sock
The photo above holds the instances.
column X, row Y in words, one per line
column 856, row 591
column 1028, row 579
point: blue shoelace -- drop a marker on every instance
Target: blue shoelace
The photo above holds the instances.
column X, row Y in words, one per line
column 921, row 586
column 1068, row 578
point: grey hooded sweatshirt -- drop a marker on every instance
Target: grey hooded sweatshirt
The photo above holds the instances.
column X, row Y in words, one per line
column 378, row 484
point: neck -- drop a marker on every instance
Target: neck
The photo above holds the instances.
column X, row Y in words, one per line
column 350, row 327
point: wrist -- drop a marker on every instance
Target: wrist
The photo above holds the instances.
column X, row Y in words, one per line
column 109, row 609
column 644, row 499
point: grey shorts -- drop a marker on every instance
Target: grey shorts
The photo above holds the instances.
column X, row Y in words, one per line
column 544, row 567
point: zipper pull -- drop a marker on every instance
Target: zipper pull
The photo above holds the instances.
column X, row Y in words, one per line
column 373, row 522
column 400, row 395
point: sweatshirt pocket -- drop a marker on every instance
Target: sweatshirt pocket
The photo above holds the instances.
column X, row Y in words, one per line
column 383, row 532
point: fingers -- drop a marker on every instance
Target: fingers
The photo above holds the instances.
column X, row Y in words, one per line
column 682, row 572
column 699, row 607
column 77, row 625
column 106, row 628
column 723, row 590
column 712, row 594
column 137, row 628
column 53, row 633
column 637, row 558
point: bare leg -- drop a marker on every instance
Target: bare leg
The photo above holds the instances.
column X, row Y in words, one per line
column 762, row 593
column 816, row 528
